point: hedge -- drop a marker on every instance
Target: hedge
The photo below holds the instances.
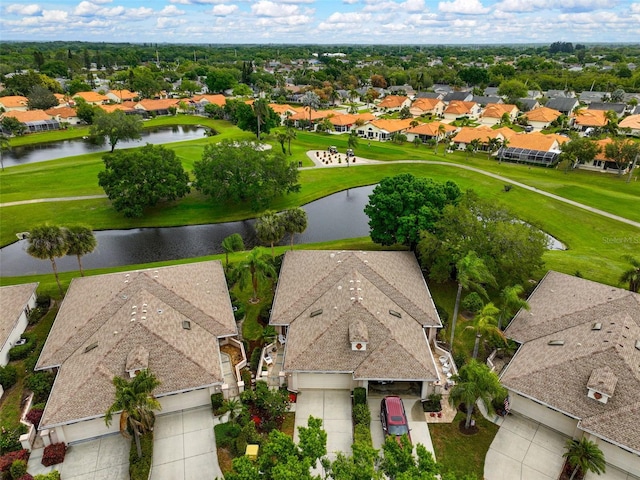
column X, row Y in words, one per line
column 7, row 460
column 362, row 434
column 139, row 468
column 361, row 415
column 8, row 376
column 359, row 396
column 53, row 475
column 22, row 351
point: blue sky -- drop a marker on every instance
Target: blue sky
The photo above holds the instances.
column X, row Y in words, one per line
column 323, row 21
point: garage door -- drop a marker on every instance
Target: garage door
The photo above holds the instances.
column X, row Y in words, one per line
column 184, row 401
column 552, row 419
column 325, row 381
column 89, row 429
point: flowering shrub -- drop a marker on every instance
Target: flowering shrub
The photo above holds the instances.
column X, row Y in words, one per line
column 26, row 476
column 54, row 454
column 34, row 416
column 7, row 460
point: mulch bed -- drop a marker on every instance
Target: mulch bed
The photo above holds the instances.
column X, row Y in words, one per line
column 472, row 430
column 567, row 470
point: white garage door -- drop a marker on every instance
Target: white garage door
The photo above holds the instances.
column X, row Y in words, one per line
column 325, row 381
column 552, row 419
column 89, row 429
column 183, row 401
column 620, row 458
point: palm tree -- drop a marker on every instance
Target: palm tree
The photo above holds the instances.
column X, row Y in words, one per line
column 5, row 146
column 294, row 221
column 255, row 267
column 511, row 302
column 475, row 381
column 291, row 135
column 476, row 145
column 48, row 242
column 270, row 229
column 133, row 398
column 80, row 240
column 492, row 145
column 439, row 136
column 471, row 272
column 632, row 275
column 486, row 323
column 585, row 455
column 261, row 111
column 232, row 243
column 503, row 146
column 312, row 102
column 282, row 137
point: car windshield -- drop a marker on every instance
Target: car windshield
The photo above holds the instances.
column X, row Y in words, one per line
column 398, row 429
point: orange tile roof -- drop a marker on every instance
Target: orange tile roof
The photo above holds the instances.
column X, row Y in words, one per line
column 342, row 119
column 281, row 109
column 632, row 121
column 536, row 141
column 366, row 117
column 117, row 106
column 426, row 104
column 591, row 118
column 303, row 114
column 392, row 101
column 62, row 112
column 506, row 132
column 467, row 134
column 62, row 98
column 160, row 104
column 602, row 143
column 497, row 110
column 216, row 99
column 458, row 107
column 28, row 116
column 14, row 101
column 392, row 125
column 431, row 129
column 92, row 97
column 124, row 94
column 542, row 114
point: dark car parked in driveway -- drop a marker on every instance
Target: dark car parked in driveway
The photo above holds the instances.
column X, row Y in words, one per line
column 393, row 417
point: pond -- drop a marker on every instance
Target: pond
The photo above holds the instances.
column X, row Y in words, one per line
column 79, row 146
column 335, row 217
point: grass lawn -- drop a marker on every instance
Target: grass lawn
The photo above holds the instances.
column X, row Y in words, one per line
column 460, row 453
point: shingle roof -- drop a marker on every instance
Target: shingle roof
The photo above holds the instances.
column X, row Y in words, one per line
column 392, row 125
column 105, row 319
column 217, row 99
column 62, row 112
column 536, row 141
column 600, row 326
column 361, row 287
column 467, row 134
column 157, row 104
column 426, row 104
column 13, row 300
column 562, row 104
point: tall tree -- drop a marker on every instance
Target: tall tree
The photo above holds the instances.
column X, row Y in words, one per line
column 261, row 111
column 139, row 178
column 115, row 126
column 510, row 302
column 439, row 136
column 475, row 381
column 311, row 101
column 270, row 229
column 291, row 135
column 232, row 243
column 584, row 455
column 578, row 150
column 471, row 273
column 48, row 241
column 80, row 240
column 485, row 323
column 134, row 399
column 632, row 275
column 281, row 137
column 294, row 221
column 5, row 146
column 622, row 152
column 41, row 98
column 255, row 267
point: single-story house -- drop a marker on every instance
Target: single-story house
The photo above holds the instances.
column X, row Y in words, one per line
column 542, row 117
column 559, row 94
column 632, row 122
column 170, row 320
column 619, row 108
column 588, row 97
column 354, row 319
column 484, row 100
column 437, row 95
column 12, row 103
column 302, row 115
column 216, row 99
column 600, row 162
column 430, row 131
column 16, row 301
column 157, row 106
column 382, row 129
column 576, row 370
column 535, row 148
column 284, row 111
column 427, row 106
column 458, row 109
column 493, row 113
column 528, row 104
column 458, row 96
column 64, row 114
column 64, row 100
column 93, row 98
column 34, row 120
column 394, row 103
column 123, row 95
column 127, row 107
column 482, row 133
column 564, row 105
column 583, row 119
column 345, row 122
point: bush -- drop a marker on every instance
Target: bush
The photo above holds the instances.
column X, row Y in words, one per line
column 361, row 415
column 43, row 302
column 255, row 359
column 26, row 476
column 7, row 460
column 8, row 376
column 444, row 315
column 40, row 384
column 245, row 374
column 460, row 358
column 217, row 399
column 35, row 315
column 247, row 435
column 53, row 475
column 10, row 439
column 34, row 416
column 472, row 302
column 18, row 468
column 226, row 434
column 362, row 434
column 360, row 396
column 54, row 454
column 22, row 351
column 139, row 467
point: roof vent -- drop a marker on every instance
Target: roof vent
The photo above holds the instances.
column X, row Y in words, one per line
column 556, row 343
column 315, row 313
column 637, row 344
column 596, row 326
column 159, row 310
column 395, row 314
column 186, row 324
column 88, row 348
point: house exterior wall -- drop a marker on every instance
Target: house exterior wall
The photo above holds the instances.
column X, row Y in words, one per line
column 327, row 381
column 17, row 331
column 537, row 126
column 618, row 457
column 546, row 416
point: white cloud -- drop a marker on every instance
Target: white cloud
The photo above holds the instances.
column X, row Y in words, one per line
column 196, row 2
column 171, row 10
column 169, row 22
column 16, row 9
column 224, row 10
column 635, row 8
column 350, row 2
column 290, row 20
column 413, row 6
column 349, row 17
column 54, row 16
column 463, row 7
column 565, row 5
column 89, row 9
column 139, row 13
column 266, row 8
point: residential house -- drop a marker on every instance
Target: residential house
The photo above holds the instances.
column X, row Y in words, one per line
column 16, row 302
column 13, row 103
column 563, row 105
column 442, row 88
column 600, row 162
column 588, row 97
column 64, row 115
column 427, row 106
column 34, row 120
column 437, row 95
column 356, row 319
column 217, row 99
column 430, row 131
column 120, row 96
column 484, row 100
column 394, row 103
column 383, row 130
column 345, row 122
column 495, row 112
column 584, row 119
column 632, row 122
column 619, row 108
column 157, row 107
column 458, row 96
column 302, row 116
column 576, row 370
column 459, row 109
column 542, row 117
column 170, row 320
column 483, row 133
column 560, row 94
column 528, row 104
column 93, row 98
column 64, row 100
column 127, row 107
column 402, row 90
column 284, row 111
column 534, row 148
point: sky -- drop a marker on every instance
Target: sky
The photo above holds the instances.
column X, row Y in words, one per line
column 323, row 21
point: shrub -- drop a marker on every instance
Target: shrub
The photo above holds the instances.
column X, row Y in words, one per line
column 508, row 187
column 255, row 359
column 40, row 384
column 472, row 302
column 139, row 467
column 54, row 454
column 26, row 476
column 18, row 468
column 7, row 460
column 245, row 374
column 444, row 315
column 360, row 396
column 361, row 414
column 247, row 435
column 22, row 351
column 10, row 439
column 8, row 376
column 226, row 434
column 53, row 475
column 43, row 302
column 460, row 358
column 362, row 434
column 217, row 399
column 35, row 315
column 34, row 416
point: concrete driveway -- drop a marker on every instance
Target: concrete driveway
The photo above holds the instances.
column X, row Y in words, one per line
column 417, row 422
